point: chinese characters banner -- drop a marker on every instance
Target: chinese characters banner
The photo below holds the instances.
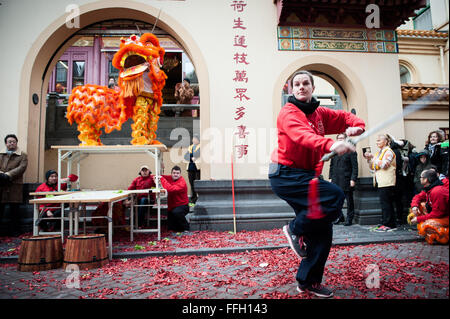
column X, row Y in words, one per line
column 240, row 78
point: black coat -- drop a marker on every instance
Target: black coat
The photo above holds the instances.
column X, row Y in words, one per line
column 343, row 169
column 436, row 156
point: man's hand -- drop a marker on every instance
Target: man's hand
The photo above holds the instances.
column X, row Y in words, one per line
column 354, row 131
column 342, row 147
column 414, row 221
column 415, row 210
column 352, row 183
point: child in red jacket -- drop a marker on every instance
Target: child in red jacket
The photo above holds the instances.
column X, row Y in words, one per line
column 177, row 200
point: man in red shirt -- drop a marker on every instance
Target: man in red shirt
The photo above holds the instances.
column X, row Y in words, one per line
column 296, row 163
column 177, row 200
column 435, row 195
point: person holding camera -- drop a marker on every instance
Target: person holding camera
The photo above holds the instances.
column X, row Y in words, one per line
column 383, row 165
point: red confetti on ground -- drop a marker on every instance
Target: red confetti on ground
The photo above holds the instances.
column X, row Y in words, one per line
column 252, row 274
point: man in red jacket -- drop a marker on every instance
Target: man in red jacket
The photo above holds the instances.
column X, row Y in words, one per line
column 435, row 195
column 177, row 200
column 302, row 125
column 143, row 181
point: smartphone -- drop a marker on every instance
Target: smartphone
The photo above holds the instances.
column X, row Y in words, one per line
column 366, row 149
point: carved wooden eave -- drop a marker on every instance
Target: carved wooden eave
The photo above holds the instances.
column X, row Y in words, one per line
column 434, row 95
column 421, row 41
column 345, row 13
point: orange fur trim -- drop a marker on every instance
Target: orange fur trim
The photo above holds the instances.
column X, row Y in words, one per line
column 94, row 107
column 133, row 86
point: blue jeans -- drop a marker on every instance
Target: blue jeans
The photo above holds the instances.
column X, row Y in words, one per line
column 292, row 185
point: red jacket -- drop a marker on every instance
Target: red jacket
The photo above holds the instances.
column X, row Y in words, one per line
column 436, row 198
column 445, row 182
column 142, row 182
column 301, row 141
column 177, row 191
column 44, row 187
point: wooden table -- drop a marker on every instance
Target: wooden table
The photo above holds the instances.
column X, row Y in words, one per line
column 75, row 154
column 84, row 197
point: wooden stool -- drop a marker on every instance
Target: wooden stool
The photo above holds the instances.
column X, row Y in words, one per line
column 43, row 252
column 86, row 251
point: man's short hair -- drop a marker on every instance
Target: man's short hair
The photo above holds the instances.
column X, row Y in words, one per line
column 11, row 135
column 176, row 168
column 430, row 175
column 309, row 74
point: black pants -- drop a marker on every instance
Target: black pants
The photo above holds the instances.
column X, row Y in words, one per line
column 292, row 185
column 401, row 192
column 176, row 219
column 193, row 176
column 350, row 204
column 50, row 224
column 387, row 199
column 12, row 228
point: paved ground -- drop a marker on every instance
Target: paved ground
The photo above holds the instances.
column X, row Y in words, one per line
column 362, row 265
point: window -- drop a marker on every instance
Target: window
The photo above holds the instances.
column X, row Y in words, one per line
column 112, row 72
column 189, row 70
column 61, row 76
column 405, row 75
column 78, row 73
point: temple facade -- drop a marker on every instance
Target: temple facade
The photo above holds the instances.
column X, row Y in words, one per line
column 373, row 60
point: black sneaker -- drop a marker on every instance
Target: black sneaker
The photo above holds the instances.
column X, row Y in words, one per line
column 295, row 242
column 341, row 219
column 317, row 289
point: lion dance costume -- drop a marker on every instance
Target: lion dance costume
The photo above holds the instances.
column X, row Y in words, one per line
column 141, row 81
column 434, row 230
